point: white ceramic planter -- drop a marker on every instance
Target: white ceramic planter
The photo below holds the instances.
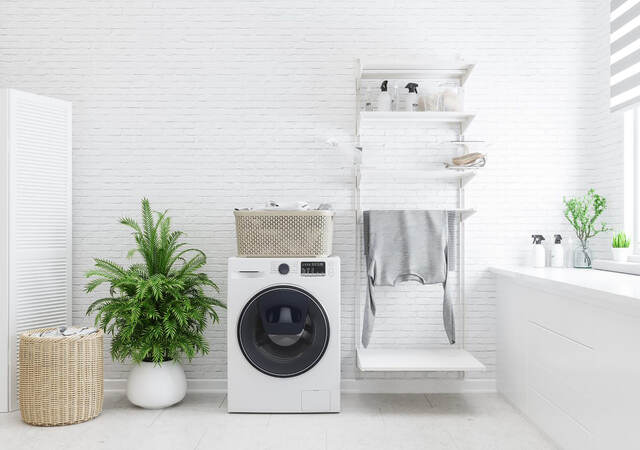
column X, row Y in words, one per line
column 620, row 254
column 154, row 386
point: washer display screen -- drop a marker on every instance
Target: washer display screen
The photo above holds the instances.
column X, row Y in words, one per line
column 313, row 268
column 283, row 331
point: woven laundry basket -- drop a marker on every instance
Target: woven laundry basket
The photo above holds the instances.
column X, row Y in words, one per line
column 61, row 378
column 284, row 233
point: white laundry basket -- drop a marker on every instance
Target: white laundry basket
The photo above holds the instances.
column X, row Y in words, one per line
column 284, row 233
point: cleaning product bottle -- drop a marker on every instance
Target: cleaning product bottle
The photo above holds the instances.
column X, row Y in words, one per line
column 538, row 254
column 557, row 252
column 384, row 99
column 412, row 98
column 395, row 98
column 368, row 100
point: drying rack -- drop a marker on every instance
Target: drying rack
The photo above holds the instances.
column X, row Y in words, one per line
column 455, row 357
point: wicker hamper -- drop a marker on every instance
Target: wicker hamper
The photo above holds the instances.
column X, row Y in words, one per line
column 284, row 233
column 61, row 378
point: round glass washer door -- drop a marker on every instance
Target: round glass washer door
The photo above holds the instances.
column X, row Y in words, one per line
column 283, row 331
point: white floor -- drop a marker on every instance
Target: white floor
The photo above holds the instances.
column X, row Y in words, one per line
column 390, row 421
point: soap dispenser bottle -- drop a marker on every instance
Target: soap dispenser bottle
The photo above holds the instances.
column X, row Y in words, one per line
column 384, row 98
column 557, row 252
column 412, row 98
column 538, row 253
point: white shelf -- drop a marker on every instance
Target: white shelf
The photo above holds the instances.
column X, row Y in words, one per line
column 461, row 118
column 463, row 168
column 412, row 70
column 417, row 360
column 417, row 175
column 464, row 213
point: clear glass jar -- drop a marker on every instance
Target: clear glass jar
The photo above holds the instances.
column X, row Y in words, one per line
column 368, row 100
column 582, row 256
column 452, row 98
column 431, row 97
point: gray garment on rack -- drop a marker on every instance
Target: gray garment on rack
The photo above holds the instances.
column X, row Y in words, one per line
column 407, row 245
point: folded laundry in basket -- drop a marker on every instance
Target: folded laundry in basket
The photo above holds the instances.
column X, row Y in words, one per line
column 409, row 245
column 295, row 206
column 65, row 331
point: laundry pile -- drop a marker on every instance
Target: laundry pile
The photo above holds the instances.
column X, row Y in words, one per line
column 272, row 205
column 66, row 332
column 469, row 160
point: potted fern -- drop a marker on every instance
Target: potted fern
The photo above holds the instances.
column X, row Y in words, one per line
column 582, row 214
column 620, row 247
column 156, row 310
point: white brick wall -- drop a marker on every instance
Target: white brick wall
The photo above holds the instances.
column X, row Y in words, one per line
column 205, row 106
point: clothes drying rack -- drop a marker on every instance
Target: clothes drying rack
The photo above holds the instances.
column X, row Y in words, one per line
column 454, row 357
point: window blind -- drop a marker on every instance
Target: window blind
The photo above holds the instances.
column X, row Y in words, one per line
column 625, row 53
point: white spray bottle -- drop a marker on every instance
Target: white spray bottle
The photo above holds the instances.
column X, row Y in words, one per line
column 412, row 97
column 538, row 253
column 557, row 252
column 384, row 99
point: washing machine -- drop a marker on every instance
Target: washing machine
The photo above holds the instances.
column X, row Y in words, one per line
column 283, row 342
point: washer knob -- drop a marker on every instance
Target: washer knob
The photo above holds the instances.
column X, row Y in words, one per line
column 283, row 269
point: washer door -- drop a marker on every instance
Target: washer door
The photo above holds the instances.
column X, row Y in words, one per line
column 283, row 331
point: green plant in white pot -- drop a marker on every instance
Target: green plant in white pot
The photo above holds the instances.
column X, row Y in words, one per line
column 620, row 247
column 582, row 214
column 156, row 310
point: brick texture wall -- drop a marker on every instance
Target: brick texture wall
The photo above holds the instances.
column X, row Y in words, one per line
column 205, row 106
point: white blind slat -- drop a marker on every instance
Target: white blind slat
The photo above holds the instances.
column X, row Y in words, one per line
column 624, row 83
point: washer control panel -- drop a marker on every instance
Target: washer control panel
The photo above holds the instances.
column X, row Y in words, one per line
column 303, row 268
column 313, row 268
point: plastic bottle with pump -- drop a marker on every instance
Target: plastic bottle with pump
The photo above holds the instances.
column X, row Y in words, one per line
column 384, row 98
column 538, row 252
column 412, row 97
column 557, row 252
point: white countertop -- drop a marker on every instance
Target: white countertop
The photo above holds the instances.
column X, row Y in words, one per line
column 604, row 287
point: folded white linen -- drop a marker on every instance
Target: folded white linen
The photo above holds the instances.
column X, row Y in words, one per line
column 66, row 331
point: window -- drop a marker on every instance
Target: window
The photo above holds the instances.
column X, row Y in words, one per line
column 632, row 178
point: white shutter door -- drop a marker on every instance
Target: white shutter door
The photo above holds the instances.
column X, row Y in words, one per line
column 39, row 218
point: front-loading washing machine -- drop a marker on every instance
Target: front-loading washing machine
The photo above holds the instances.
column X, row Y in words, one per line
column 283, row 341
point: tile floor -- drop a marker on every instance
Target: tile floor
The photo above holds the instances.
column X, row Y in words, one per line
column 370, row 422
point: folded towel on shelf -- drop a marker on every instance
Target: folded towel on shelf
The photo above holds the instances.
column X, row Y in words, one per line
column 469, row 160
column 407, row 245
column 65, row 331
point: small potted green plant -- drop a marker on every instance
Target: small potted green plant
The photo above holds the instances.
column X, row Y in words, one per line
column 582, row 214
column 620, row 247
column 156, row 310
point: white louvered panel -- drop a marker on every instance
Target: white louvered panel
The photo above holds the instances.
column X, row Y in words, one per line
column 39, row 218
column 625, row 54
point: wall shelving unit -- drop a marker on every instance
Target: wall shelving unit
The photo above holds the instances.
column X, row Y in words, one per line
column 455, row 357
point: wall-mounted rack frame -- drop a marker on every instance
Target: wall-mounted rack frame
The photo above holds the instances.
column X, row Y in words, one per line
column 454, row 358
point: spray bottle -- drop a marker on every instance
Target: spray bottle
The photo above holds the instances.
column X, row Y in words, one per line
column 538, row 252
column 384, row 99
column 557, row 252
column 412, row 98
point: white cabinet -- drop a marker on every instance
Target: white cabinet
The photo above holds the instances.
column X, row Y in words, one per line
column 568, row 355
column 35, row 223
